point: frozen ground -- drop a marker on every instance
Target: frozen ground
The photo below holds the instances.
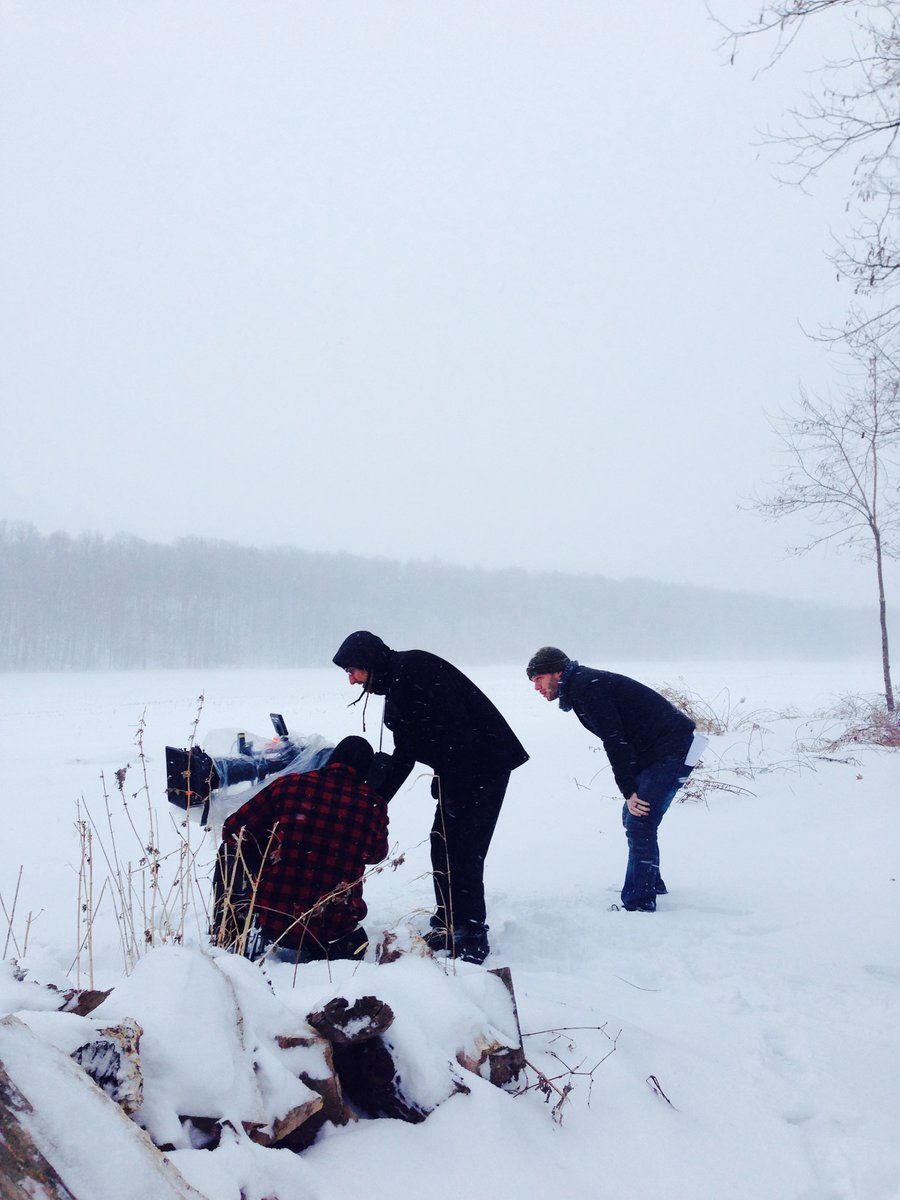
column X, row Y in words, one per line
column 761, row 998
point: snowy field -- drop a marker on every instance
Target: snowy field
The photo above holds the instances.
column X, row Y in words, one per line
column 754, row 1017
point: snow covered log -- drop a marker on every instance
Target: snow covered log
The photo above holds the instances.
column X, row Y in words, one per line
column 506, row 1062
column 197, row 1043
column 82, row 1001
column 18, row 992
column 24, row 1172
column 219, row 1050
column 370, row 1077
column 345, row 1024
column 112, row 1061
column 324, row 1082
column 42, row 1088
column 400, row 1059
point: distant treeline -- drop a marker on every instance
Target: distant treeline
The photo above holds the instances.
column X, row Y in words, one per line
column 89, row 602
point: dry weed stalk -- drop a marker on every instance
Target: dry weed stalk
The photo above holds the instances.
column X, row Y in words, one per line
column 191, row 894
column 744, row 759
column 234, row 916
column 28, row 923
column 855, row 721
column 11, row 916
column 656, row 1087
column 234, row 926
column 699, row 786
column 85, row 911
column 549, row 1085
column 151, row 896
column 201, row 700
column 548, row 1088
column 720, row 715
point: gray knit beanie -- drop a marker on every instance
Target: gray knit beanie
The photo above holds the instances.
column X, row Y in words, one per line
column 546, row 660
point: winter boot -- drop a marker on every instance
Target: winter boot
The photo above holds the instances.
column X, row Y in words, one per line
column 437, row 939
column 470, row 943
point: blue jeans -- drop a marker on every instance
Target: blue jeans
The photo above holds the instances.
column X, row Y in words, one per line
column 657, row 784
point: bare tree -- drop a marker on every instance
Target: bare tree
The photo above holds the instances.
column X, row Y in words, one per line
column 844, row 464
column 854, row 111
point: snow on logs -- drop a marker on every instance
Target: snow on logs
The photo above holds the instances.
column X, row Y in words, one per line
column 195, row 1043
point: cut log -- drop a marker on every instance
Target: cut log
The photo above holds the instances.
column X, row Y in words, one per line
column 362, row 1058
column 371, row 1080
column 112, row 1061
column 507, row 1061
column 24, row 1172
column 55, row 1088
column 325, row 1082
column 368, row 1065
column 284, row 1126
column 83, row 1001
column 346, row 1024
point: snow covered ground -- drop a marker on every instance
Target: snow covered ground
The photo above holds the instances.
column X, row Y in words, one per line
column 753, row 1018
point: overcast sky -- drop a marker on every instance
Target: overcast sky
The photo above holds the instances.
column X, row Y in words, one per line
column 499, row 283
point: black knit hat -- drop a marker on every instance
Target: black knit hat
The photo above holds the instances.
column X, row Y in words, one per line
column 546, row 660
column 353, row 752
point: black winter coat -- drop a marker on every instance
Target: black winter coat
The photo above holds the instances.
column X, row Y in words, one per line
column 436, row 714
column 637, row 726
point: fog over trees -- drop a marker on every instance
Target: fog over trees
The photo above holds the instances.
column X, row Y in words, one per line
column 95, row 603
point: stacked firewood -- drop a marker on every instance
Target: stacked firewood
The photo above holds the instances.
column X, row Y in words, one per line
column 336, row 1065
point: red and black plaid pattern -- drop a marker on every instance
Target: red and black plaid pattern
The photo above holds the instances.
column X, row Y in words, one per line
column 308, row 838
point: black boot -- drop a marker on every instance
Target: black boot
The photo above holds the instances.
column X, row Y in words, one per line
column 438, row 939
column 470, row 943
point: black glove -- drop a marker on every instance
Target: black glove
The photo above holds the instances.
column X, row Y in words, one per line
column 382, row 762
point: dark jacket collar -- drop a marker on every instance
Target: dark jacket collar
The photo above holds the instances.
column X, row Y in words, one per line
column 565, row 703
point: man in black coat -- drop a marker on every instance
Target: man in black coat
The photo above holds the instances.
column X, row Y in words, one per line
column 646, row 740
column 440, row 718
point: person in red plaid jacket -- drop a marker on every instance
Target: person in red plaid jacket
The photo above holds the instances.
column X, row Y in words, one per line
column 292, row 860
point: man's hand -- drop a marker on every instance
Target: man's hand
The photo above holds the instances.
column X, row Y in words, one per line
column 636, row 806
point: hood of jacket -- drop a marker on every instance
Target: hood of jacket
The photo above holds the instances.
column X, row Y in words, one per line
column 368, row 652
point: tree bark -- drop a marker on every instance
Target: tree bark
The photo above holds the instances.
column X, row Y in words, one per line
column 24, row 1172
column 882, row 614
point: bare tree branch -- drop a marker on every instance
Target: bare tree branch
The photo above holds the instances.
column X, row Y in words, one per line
column 854, row 111
column 843, row 471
